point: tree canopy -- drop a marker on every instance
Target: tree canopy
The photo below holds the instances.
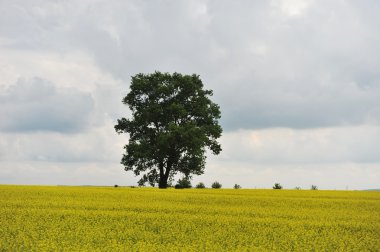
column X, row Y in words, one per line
column 173, row 122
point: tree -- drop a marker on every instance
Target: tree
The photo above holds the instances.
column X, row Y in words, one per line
column 183, row 183
column 314, row 187
column 173, row 122
column 216, row 185
column 236, row 186
column 277, row 186
column 200, row 185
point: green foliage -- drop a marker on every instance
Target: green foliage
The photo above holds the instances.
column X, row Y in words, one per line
column 173, row 122
column 277, row 186
column 313, row 187
column 216, row 185
column 183, row 183
column 236, row 186
column 200, row 185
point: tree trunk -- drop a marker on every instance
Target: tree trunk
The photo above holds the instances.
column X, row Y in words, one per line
column 163, row 182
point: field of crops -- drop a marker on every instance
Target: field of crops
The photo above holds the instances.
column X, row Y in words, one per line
column 36, row 218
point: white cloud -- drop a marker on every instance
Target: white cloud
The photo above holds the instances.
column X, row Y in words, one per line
column 309, row 146
column 332, row 158
column 293, row 7
column 73, row 69
column 53, row 173
column 327, row 176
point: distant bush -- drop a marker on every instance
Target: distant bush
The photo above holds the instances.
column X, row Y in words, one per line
column 236, row 186
column 313, row 187
column 297, row 188
column 183, row 183
column 277, row 186
column 216, row 185
column 200, row 185
column 115, row 186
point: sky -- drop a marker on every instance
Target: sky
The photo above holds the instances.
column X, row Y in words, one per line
column 297, row 81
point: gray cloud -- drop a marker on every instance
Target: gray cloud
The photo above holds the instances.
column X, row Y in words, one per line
column 298, row 64
column 96, row 144
column 37, row 105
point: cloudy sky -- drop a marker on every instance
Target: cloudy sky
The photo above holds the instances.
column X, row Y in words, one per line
column 298, row 82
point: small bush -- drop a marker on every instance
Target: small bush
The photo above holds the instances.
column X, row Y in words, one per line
column 277, row 186
column 313, row 187
column 115, row 186
column 297, row 188
column 236, row 186
column 183, row 183
column 200, row 185
column 216, row 185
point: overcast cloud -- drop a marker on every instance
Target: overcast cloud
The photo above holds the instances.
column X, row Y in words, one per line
column 298, row 83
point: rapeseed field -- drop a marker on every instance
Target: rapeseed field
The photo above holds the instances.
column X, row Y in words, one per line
column 50, row 218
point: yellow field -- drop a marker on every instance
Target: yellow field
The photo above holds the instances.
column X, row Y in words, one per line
column 36, row 218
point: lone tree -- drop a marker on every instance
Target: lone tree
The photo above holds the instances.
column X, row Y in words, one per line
column 277, row 186
column 173, row 121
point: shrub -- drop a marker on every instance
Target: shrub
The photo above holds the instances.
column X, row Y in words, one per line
column 200, row 185
column 116, row 186
column 313, row 187
column 183, row 183
column 236, row 186
column 277, row 186
column 297, row 188
column 216, row 185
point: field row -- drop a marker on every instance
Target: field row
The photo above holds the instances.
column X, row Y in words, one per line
column 146, row 219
